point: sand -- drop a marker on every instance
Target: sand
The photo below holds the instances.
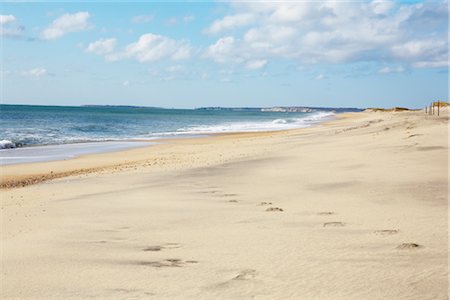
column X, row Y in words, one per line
column 352, row 209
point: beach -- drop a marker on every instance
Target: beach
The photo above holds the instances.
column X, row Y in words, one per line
column 353, row 208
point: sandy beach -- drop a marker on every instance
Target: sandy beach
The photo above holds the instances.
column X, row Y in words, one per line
column 355, row 208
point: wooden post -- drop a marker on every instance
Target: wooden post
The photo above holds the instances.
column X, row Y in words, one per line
column 426, row 109
column 438, row 108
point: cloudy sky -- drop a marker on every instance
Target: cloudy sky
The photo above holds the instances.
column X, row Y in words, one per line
column 314, row 53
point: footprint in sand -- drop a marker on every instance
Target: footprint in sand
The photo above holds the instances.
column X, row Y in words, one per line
column 333, row 224
column 171, row 262
column 386, row 231
column 152, row 248
column 210, row 192
column 229, row 195
column 239, row 278
column 325, row 213
column 245, row 275
column 409, row 246
column 191, row 261
column 171, row 245
column 265, row 203
column 135, row 292
column 413, row 135
column 166, row 263
column 159, row 248
column 274, row 209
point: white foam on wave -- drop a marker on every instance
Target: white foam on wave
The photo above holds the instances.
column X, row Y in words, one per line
column 5, row 144
column 39, row 140
column 273, row 125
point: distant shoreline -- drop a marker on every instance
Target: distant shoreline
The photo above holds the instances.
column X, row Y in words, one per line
column 326, row 108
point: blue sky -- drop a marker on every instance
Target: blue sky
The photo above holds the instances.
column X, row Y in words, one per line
column 322, row 53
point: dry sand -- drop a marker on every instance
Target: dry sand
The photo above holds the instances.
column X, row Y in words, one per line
column 352, row 209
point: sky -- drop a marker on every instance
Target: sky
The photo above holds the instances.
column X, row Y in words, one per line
column 253, row 54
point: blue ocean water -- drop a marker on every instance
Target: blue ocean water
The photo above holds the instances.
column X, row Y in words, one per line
column 26, row 125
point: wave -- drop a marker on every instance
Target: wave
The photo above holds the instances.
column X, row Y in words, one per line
column 5, row 144
column 273, row 125
column 44, row 141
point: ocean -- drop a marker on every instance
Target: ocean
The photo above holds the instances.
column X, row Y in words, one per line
column 23, row 126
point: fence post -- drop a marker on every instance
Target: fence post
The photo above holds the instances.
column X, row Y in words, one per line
column 426, row 109
column 438, row 107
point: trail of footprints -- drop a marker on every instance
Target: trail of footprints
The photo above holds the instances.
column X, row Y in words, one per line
column 245, row 274
column 248, row 273
column 381, row 232
column 272, row 208
column 168, row 262
column 336, row 224
column 216, row 192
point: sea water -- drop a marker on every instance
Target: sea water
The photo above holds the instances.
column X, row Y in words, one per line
column 96, row 127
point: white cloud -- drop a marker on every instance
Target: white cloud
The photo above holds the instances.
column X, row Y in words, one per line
column 126, row 83
column 152, row 47
column 424, row 53
column 142, row 19
column 65, row 24
column 5, row 19
column 419, row 48
column 295, row 12
column 9, row 27
column 35, row 73
column 387, row 70
column 225, row 49
column 334, row 32
column 431, row 64
column 102, row 46
column 182, row 50
column 320, row 77
column 381, row 7
column 230, row 22
column 256, row 64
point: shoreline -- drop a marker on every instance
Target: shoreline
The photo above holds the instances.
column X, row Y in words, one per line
column 37, row 153
column 225, row 123
column 12, row 175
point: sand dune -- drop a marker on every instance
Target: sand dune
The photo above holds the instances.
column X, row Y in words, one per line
column 352, row 209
